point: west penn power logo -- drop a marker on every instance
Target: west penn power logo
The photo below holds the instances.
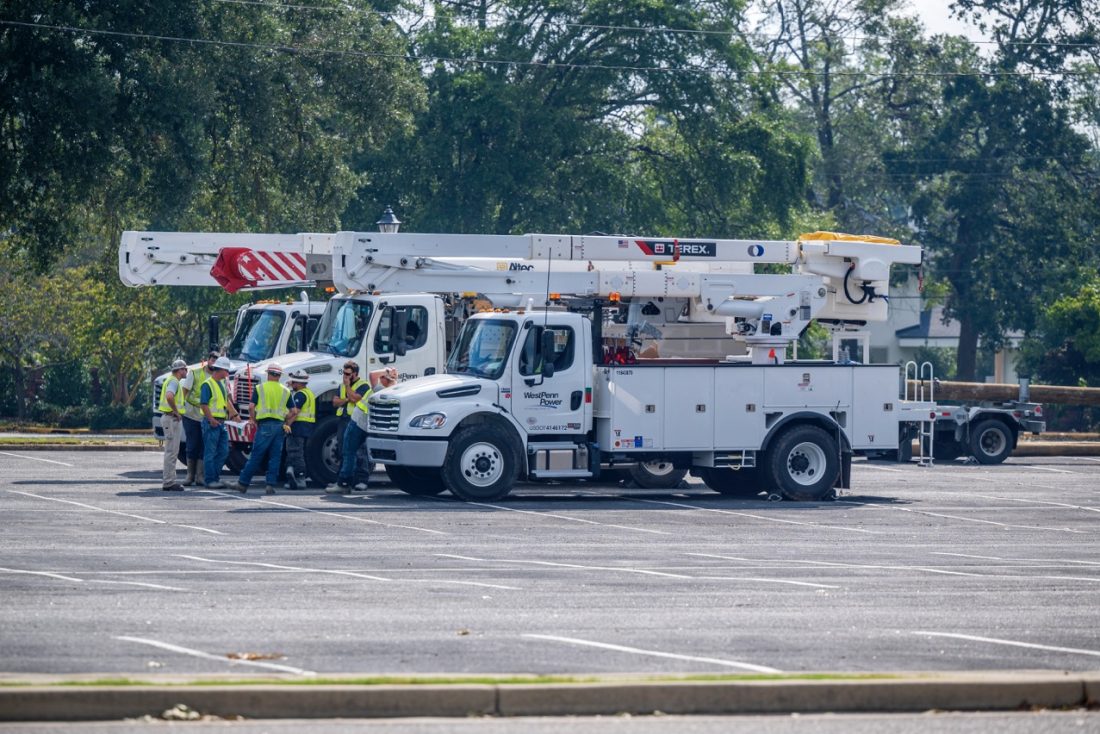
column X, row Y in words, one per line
column 677, row 248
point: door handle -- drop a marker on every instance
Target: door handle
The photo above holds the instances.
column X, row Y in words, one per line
column 575, row 399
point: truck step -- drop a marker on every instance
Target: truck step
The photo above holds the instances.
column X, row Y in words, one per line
column 561, row 474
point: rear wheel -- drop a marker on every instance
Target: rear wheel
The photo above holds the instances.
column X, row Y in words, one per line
column 659, row 474
column 990, row 441
column 803, row 463
column 416, row 480
column 235, row 460
column 731, row 482
column 481, row 463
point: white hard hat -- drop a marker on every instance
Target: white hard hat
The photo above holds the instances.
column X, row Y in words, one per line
column 274, row 369
column 223, row 363
column 179, row 364
column 299, row 376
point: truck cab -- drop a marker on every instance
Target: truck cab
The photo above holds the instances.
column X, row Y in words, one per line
column 407, row 332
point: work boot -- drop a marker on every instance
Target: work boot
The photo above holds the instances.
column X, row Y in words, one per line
column 338, row 488
column 242, row 488
column 361, row 487
column 216, row 484
column 174, row 487
column 192, row 470
column 269, row 489
column 291, row 479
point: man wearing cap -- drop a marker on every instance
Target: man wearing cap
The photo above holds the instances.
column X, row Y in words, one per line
column 352, row 467
column 216, row 405
column 298, row 426
column 172, row 424
column 191, row 385
column 269, row 410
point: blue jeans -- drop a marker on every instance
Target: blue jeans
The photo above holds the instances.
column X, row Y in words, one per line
column 192, row 435
column 354, row 438
column 215, row 449
column 266, row 444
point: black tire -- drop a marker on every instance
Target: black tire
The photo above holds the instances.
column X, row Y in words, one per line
column 323, row 450
column 657, row 474
column 946, row 448
column 990, row 441
column 731, row 482
column 482, row 463
column 416, row 480
column 235, row 460
column 803, row 464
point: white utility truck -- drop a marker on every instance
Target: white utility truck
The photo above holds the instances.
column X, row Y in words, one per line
column 537, row 394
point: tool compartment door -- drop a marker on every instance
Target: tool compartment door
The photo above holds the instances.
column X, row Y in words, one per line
column 739, row 415
column 634, row 408
column 689, row 408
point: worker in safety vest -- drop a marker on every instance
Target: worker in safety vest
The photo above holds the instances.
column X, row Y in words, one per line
column 215, row 402
column 191, row 387
column 355, row 437
column 299, row 426
column 269, row 410
column 171, row 421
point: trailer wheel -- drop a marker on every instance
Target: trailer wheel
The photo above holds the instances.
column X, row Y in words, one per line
column 418, row 481
column 323, row 450
column 731, row 482
column 803, row 463
column 659, row 474
column 990, row 441
column 236, row 460
column 481, row 463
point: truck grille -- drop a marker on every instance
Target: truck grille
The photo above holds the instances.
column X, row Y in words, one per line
column 242, row 393
column 385, row 415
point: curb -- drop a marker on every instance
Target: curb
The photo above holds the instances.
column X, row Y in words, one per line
column 970, row 692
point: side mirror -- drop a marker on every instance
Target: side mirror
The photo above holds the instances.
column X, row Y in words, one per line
column 547, row 352
column 399, row 327
column 308, row 328
column 212, row 329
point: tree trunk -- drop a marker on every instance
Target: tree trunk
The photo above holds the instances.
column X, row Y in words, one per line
column 966, row 363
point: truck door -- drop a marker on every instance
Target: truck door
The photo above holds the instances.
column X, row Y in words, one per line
column 554, row 400
column 409, row 324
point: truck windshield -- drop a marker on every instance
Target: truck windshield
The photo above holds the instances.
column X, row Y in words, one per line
column 257, row 336
column 342, row 327
column 482, row 348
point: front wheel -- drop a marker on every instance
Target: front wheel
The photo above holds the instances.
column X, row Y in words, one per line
column 657, row 474
column 990, row 441
column 803, row 463
column 481, row 464
column 323, row 450
column 416, row 480
column 235, row 460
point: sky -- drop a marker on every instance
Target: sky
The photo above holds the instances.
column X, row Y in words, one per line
column 936, row 16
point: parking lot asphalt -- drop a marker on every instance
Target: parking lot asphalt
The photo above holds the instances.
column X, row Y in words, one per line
column 949, row 568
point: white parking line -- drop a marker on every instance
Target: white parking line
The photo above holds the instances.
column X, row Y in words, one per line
column 657, row 654
column 329, row 513
column 746, row 514
column 571, row 519
column 1018, row 560
column 879, row 468
column 353, row 574
column 1012, row 643
column 62, row 577
column 842, row 565
column 34, row 458
column 1036, row 502
column 1045, row 468
column 962, row 519
column 220, row 658
column 116, row 512
column 643, row 571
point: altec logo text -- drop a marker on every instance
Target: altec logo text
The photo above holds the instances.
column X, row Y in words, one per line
column 672, row 248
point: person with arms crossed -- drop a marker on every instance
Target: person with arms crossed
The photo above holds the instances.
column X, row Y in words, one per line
column 171, row 422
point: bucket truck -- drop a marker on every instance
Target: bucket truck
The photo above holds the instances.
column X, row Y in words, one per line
column 537, row 393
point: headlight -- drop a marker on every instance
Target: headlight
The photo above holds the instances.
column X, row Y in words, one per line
column 428, row 421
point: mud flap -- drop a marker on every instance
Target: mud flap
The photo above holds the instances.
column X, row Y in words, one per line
column 844, row 477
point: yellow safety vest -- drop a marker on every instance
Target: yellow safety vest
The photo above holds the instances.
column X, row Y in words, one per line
column 200, row 376
column 218, row 398
column 164, row 407
column 308, row 412
column 356, row 387
column 271, row 400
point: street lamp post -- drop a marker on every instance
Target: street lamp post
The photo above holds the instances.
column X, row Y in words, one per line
column 389, row 223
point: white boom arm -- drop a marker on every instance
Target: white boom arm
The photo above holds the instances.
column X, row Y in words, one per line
column 837, row 277
column 234, row 261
